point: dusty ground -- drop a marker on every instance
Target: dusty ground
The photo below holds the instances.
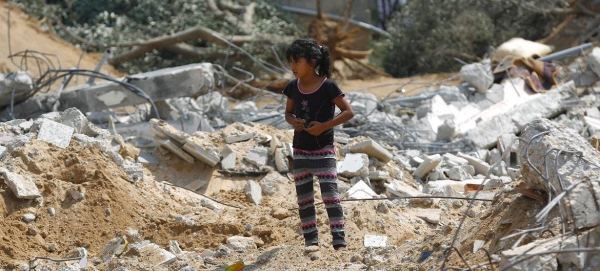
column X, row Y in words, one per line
column 114, row 207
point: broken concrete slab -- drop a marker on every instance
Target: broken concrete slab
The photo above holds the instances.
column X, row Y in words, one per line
column 229, row 158
column 281, row 161
column 166, row 143
column 153, row 254
column 428, row 164
column 253, row 192
column 22, row 187
column 360, row 191
column 353, row 165
column 164, row 130
column 479, row 165
column 199, row 149
column 55, row 133
column 373, row 149
column 258, row 156
column 432, row 216
column 375, row 240
column 402, row 189
column 478, row 75
column 551, row 144
column 237, row 137
column 182, row 81
column 511, row 116
column 74, row 118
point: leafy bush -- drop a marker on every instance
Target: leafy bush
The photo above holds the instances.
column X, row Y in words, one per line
column 121, row 21
column 428, row 34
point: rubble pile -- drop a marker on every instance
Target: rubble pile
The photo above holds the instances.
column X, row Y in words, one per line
column 475, row 168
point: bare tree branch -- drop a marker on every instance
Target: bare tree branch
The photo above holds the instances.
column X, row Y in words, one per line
column 197, row 32
column 187, row 50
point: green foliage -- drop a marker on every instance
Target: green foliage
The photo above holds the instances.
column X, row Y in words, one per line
column 428, row 34
column 124, row 21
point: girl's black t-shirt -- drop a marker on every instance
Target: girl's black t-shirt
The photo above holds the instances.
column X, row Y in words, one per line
column 317, row 105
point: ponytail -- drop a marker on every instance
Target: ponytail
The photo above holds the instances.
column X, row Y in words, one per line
column 324, row 65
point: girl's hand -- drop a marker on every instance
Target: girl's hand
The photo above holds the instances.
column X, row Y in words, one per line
column 298, row 124
column 315, row 128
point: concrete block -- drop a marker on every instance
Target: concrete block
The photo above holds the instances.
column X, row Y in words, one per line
column 154, row 255
column 402, row 189
column 457, row 173
column 478, row 75
column 432, row 216
column 253, row 192
column 55, row 133
column 446, row 131
column 428, row 164
column 135, row 171
column 375, row 240
column 3, row 151
column 229, row 158
column 273, row 145
column 22, row 187
column 480, row 166
column 360, row 191
column 450, row 160
column 269, row 183
column 485, row 135
column 240, row 243
column 281, row 161
column 163, row 130
column 547, row 105
column 354, row 164
column 593, row 60
column 289, row 150
column 167, row 144
column 379, row 175
column 415, row 161
column 257, row 156
column 72, row 117
column 341, row 138
column 238, row 137
column 200, row 150
column 373, row 149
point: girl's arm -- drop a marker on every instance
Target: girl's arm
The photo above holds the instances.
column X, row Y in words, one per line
column 291, row 118
column 316, row 128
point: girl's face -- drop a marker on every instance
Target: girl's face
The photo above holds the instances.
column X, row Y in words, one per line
column 301, row 68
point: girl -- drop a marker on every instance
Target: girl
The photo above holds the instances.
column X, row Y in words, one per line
column 311, row 101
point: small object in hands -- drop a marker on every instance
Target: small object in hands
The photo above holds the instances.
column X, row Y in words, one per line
column 308, row 125
column 237, row 266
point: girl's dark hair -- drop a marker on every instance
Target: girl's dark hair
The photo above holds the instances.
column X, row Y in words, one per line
column 310, row 50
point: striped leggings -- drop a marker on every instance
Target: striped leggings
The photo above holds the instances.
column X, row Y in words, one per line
column 320, row 163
